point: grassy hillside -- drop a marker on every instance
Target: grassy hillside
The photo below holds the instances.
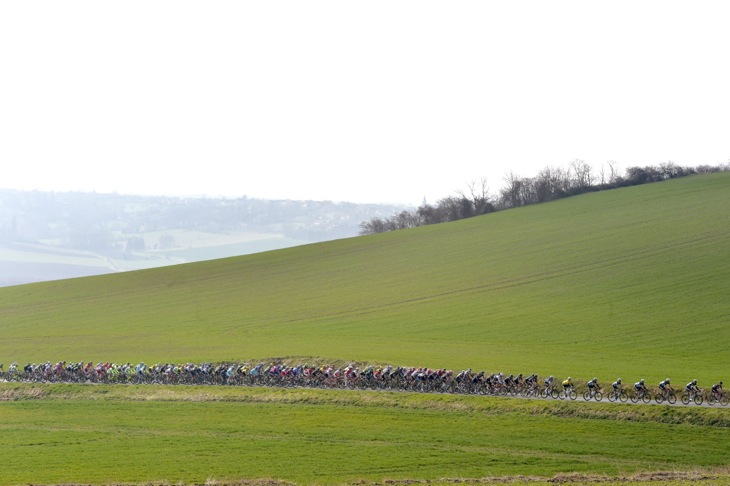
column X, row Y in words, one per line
column 631, row 282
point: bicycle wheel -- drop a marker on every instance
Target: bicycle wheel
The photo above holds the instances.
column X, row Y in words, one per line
column 711, row 400
column 598, row 396
column 623, row 396
column 659, row 398
column 723, row 400
column 672, row 398
column 586, row 395
column 685, row 398
column 554, row 393
column 646, row 398
column 572, row 395
column 612, row 397
column 634, row 398
column 698, row 399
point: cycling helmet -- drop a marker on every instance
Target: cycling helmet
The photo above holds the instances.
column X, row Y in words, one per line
column 570, row 379
column 595, row 380
column 667, row 380
column 694, row 382
column 618, row 381
column 641, row 381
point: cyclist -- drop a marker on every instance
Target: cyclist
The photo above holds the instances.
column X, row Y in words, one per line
column 717, row 389
column 140, row 369
column 568, row 384
column 665, row 387
column 617, row 388
column 593, row 387
column 640, row 388
column 692, row 388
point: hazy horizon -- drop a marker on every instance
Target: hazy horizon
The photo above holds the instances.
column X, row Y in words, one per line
column 365, row 103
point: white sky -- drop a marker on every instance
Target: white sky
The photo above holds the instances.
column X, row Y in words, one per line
column 369, row 101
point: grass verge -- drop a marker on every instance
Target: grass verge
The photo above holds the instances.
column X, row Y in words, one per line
column 193, row 435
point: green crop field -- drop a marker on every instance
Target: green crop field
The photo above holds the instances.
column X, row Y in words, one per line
column 631, row 282
column 82, row 434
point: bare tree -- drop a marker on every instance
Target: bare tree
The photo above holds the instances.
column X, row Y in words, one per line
column 583, row 178
column 510, row 194
column 478, row 196
column 613, row 172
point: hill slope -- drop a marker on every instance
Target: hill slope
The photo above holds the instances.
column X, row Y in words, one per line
column 632, row 281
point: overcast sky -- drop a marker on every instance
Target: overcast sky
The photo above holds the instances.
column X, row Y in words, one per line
column 369, row 101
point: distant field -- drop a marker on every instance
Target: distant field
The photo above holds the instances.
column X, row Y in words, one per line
column 184, row 435
column 27, row 263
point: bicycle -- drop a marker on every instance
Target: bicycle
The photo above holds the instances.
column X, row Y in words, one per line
column 667, row 395
column 618, row 394
column 568, row 392
column 692, row 396
column 550, row 391
column 718, row 397
column 593, row 393
column 642, row 394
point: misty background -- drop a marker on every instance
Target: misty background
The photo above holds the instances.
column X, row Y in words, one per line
column 58, row 235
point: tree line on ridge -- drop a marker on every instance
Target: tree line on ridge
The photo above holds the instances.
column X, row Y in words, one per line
column 549, row 184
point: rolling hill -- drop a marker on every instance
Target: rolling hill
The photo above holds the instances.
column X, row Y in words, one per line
column 632, row 281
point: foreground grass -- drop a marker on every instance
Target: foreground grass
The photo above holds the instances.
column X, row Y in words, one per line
column 125, row 434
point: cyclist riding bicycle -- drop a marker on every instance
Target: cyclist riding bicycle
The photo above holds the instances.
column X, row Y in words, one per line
column 665, row 387
column 640, row 387
column 692, row 388
column 568, row 384
column 616, row 385
column 718, row 393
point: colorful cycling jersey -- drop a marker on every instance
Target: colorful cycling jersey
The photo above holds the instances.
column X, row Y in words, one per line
column 567, row 383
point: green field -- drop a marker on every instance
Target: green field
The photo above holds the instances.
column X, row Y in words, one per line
column 90, row 434
column 630, row 282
